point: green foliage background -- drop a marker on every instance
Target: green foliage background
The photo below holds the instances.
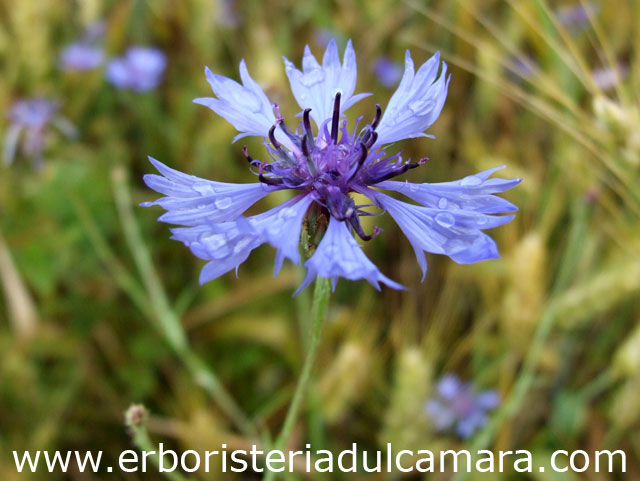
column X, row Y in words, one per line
column 88, row 327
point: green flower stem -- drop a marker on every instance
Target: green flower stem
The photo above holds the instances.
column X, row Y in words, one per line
column 167, row 321
column 318, row 313
column 143, row 442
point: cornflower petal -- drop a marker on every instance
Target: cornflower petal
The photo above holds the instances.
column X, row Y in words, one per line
column 228, row 244
column 192, row 201
column 245, row 106
column 281, row 227
column 455, row 233
column 473, row 193
column 416, row 103
column 225, row 245
column 339, row 255
column 317, row 85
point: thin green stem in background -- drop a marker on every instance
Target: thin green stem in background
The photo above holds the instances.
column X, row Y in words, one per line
column 136, row 421
column 168, row 322
column 318, row 313
column 123, row 278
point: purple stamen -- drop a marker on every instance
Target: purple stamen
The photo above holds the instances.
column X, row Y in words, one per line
column 336, row 118
column 277, row 145
column 272, row 136
column 371, row 139
column 360, row 163
column 354, row 220
column 245, row 152
column 307, row 156
column 376, row 119
column 289, row 133
column 305, row 147
column 399, row 170
column 307, row 128
column 267, row 180
column 370, row 136
column 283, row 126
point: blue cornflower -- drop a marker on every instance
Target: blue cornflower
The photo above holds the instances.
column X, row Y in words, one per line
column 30, row 120
column 457, row 405
column 323, row 167
column 140, row 69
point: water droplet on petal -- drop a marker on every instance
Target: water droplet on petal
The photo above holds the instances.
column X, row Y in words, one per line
column 241, row 245
column 275, row 228
column 471, row 181
column 349, row 267
column 413, row 187
column 223, row 203
column 220, row 253
column 332, row 250
column 445, row 219
column 481, row 219
column 247, row 99
column 442, row 203
column 201, row 206
column 216, row 245
column 454, row 245
column 286, row 213
column 213, row 241
column 203, row 188
column 421, row 106
column 415, row 106
column 313, row 77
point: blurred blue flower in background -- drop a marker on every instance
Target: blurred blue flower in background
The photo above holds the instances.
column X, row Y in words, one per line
column 324, row 168
column 86, row 53
column 606, row 78
column 387, row 71
column 30, row 120
column 140, row 69
column 457, row 406
column 81, row 57
column 576, row 15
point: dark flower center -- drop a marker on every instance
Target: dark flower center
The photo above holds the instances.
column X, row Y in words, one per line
column 330, row 165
